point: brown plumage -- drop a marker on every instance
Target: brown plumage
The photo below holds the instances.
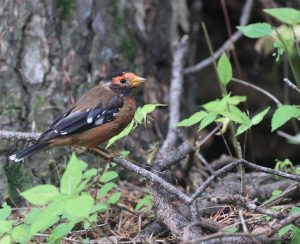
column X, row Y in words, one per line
column 98, row 115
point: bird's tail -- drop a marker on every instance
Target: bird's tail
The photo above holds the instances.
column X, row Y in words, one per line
column 28, row 151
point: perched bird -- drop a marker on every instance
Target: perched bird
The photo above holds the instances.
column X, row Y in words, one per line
column 98, row 115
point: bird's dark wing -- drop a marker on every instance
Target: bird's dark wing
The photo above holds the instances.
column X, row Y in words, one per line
column 77, row 120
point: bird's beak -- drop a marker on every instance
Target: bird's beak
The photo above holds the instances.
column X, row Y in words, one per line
column 137, row 81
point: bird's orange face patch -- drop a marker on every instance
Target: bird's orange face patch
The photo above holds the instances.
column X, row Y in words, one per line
column 125, row 79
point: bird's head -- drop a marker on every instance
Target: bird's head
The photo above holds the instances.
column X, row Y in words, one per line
column 124, row 82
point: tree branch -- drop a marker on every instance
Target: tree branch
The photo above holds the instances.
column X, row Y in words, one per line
column 226, row 46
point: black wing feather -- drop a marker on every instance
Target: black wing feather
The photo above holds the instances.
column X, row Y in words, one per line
column 79, row 121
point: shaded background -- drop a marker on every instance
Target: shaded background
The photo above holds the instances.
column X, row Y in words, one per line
column 51, row 51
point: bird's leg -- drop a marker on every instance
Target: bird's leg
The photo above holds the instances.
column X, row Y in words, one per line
column 104, row 153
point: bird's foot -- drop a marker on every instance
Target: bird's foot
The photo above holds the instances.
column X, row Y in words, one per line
column 104, row 153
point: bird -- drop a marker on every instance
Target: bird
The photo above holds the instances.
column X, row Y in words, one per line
column 98, row 115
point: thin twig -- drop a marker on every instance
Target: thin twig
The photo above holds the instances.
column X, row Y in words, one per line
column 277, row 226
column 226, row 46
column 247, row 164
column 291, row 84
column 289, row 137
column 268, row 94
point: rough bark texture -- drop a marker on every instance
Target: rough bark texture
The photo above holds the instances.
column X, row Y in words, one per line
column 53, row 51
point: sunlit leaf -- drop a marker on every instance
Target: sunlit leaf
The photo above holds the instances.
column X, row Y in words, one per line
column 105, row 189
column 193, row 119
column 224, row 69
column 207, row 120
column 71, row 177
column 40, row 194
column 108, row 176
column 283, row 114
column 259, row 117
column 286, row 15
column 80, row 207
column 256, row 30
column 5, row 211
column 114, row 198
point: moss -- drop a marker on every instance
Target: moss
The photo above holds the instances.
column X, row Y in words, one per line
column 66, row 9
column 127, row 45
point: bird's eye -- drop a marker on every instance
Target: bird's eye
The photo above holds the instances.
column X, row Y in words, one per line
column 123, row 81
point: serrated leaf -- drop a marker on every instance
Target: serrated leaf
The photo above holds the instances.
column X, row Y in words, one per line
column 193, row 119
column 259, row 117
column 71, row 177
column 207, row 120
column 283, row 114
column 114, row 198
column 5, row 211
column 41, row 194
column 48, row 217
column 224, row 69
column 89, row 173
column 60, row 231
column 108, row 176
column 20, row 234
column 79, row 207
column 256, row 30
column 289, row 16
column 105, row 189
column 235, row 114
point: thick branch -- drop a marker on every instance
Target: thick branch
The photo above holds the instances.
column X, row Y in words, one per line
column 175, row 93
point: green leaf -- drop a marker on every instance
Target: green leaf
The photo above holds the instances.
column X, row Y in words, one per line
column 71, row 177
column 108, row 176
column 224, row 69
column 48, row 217
column 60, row 231
column 5, row 226
column 259, row 117
column 90, row 173
column 236, row 100
column 193, row 119
column 142, row 112
column 285, row 230
column 295, row 235
column 114, row 198
column 283, row 114
column 294, row 210
column 144, row 202
column 235, row 114
column 122, row 134
column 80, row 207
column 276, row 193
column 289, row 16
column 207, row 120
column 256, row 30
column 5, row 240
column 41, row 194
column 5, row 211
column 231, row 230
column 105, row 189
column 20, row 234
column 32, row 215
column 242, row 128
column 100, row 207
